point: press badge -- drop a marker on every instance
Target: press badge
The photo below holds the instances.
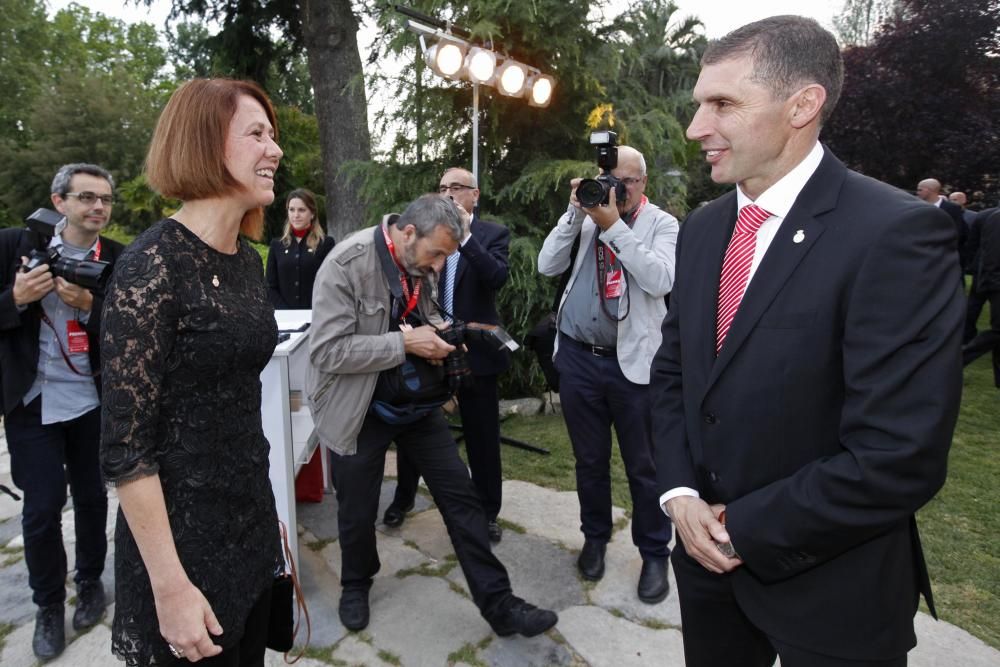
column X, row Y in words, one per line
column 613, row 284
column 76, row 337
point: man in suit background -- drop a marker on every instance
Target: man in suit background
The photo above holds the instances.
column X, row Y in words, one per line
column 985, row 241
column 467, row 291
column 808, row 383
column 51, row 402
column 929, row 190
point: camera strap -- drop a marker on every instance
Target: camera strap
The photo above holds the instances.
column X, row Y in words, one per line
column 611, row 275
column 62, row 350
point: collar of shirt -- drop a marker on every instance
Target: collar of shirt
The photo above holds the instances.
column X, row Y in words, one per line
column 57, row 242
column 779, row 198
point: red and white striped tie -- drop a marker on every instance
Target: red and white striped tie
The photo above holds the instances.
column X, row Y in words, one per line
column 736, row 268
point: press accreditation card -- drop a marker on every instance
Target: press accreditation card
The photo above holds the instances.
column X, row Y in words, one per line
column 76, row 337
column 613, row 284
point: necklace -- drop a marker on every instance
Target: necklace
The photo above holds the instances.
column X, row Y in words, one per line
column 215, row 280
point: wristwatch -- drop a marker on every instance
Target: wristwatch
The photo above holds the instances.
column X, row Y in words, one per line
column 726, row 548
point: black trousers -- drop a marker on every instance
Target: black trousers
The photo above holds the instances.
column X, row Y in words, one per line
column 479, row 407
column 42, row 458
column 717, row 632
column 974, row 307
column 595, row 396
column 429, row 444
column 987, row 341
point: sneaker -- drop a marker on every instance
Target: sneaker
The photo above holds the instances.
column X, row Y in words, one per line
column 90, row 603
column 50, row 631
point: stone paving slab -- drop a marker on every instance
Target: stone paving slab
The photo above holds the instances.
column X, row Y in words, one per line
column 554, row 515
column 618, row 642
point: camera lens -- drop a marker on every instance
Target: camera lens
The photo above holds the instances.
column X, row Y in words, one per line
column 591, row 193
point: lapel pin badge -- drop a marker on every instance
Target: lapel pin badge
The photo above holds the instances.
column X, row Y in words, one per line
column 799, row 237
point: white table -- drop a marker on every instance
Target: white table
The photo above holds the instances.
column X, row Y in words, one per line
column 288, row 431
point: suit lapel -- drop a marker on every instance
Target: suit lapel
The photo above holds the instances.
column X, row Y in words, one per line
column 797, row 234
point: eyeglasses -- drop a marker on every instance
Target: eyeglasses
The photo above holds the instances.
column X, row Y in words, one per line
column 629, row 181
column 89, row 198
column 455, row 187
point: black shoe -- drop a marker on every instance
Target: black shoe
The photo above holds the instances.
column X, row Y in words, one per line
column 50, row 632
column 353, row 609
column 395, row 515
column 517, row 616
column 653, row 584
column 90, row 603
column 495, row 531
column 591, row 560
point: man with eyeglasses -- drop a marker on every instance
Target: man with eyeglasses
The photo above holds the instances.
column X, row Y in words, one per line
column 467, row 290
column 49, row 332
column 609, row 320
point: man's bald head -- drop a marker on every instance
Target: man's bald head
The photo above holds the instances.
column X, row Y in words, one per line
column 929, row 190
column 958, row 198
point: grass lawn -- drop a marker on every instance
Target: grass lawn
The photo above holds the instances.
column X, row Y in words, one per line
column 960, row 527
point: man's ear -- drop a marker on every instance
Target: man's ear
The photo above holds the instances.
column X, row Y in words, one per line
column 807, row 103
column 58, row 202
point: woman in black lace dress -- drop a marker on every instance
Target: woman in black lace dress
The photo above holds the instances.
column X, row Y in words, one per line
column 187, row 329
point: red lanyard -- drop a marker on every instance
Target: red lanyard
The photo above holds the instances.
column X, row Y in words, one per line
column 411, row 298
column 97, row 251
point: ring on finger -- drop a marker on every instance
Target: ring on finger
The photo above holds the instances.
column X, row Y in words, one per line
column 174, row 651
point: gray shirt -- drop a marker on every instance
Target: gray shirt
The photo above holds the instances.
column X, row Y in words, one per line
column 65, row 394
column 583, row 317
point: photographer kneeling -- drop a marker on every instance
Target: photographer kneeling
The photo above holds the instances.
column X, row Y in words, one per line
column 373, row 343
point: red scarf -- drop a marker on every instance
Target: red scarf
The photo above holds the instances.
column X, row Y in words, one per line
column 301, row 233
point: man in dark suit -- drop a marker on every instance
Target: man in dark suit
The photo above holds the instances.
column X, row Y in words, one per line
column 467, row 290
column 808, row 383
column 985, row 241
column 929, row 190
column 49, row 358
column 977, row 297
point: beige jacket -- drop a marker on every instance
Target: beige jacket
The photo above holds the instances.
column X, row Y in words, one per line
column 350, row 341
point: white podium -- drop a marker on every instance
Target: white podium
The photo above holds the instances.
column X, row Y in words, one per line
column 288, row 430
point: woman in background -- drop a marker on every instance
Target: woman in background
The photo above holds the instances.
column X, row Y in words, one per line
column 187, row 329
column 294, row 259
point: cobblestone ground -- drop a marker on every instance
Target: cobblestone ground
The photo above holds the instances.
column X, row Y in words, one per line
column 421, row 611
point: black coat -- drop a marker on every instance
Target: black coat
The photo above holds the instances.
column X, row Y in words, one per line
column 19, row 330
column 482, row 271
column 291, row 272
column 984, row 246
column 826, row 419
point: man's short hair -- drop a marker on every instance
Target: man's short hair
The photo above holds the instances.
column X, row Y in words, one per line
column 60, row 184
column 468, row 174
column 187, row 155
column 787, row 52
column 430, row 211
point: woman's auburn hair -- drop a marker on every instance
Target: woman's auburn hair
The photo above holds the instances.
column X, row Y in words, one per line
column 187, row 155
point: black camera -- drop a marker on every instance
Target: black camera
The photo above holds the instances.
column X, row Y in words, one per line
column 456, row 364
column 42, row 225
column 594, row 191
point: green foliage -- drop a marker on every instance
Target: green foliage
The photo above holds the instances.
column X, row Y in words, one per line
column 89, row 89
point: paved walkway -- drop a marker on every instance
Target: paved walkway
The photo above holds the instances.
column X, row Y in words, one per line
column 421, row 611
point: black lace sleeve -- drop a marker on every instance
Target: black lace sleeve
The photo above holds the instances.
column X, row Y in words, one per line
column 137, row 332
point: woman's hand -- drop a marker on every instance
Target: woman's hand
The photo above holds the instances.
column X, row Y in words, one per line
column 186, row 619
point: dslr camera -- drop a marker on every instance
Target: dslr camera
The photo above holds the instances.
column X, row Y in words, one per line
column 456, row 364
column 594, row 191
column 42, row 225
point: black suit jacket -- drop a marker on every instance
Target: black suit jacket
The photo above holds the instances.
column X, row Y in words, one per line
column 961, row 229
column 19, row 330
column 482, row 271
column 825, row 422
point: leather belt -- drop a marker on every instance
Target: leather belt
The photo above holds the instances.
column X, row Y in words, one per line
column 596, row 350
